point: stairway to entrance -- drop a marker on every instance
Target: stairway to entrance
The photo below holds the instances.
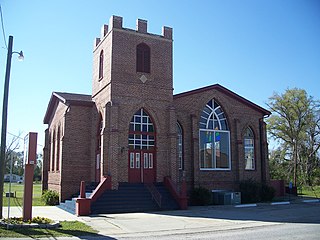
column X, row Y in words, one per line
column 69, row 205
column 133, row 198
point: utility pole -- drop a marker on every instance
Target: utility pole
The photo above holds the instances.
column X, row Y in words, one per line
column 4, row 122
column 4, row 118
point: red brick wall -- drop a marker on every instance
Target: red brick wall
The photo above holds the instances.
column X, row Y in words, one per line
column 240, row 116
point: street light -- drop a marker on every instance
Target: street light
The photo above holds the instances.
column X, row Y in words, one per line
column 4, row 117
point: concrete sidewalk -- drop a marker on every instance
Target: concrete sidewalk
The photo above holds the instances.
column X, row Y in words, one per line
column 135, row 225
column 191, row 221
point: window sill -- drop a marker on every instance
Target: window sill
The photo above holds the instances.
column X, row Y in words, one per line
column 215, row 169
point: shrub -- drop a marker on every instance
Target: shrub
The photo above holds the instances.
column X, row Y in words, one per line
column 250, row 192
column 267, row 193
column 253, row 191
column 200, row 196
column 50, row 197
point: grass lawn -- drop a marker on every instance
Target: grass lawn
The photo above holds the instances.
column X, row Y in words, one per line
column 67, row 229
column 311, row 192
column 18, row 190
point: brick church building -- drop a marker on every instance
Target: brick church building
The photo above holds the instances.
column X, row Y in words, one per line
column 133, row 129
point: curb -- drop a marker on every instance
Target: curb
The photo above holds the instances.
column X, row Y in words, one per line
column 276, row 203
column 311, row 201
column 246, row 205
column 279, row 203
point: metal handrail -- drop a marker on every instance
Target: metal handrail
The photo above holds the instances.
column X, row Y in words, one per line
column 154, row 193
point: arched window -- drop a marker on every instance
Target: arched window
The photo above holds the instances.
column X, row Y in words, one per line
column 58, row 150
column 180, row 145
column 53, row 152
column 143, row 58
column 141, row 131
column 101, row 65
column 99, row 133
column 249, row 149
column 214, row 138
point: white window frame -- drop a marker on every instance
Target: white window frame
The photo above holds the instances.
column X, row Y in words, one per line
column 214, row 152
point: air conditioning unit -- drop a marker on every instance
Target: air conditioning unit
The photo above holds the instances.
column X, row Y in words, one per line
column 229, row 198
column 215, row 196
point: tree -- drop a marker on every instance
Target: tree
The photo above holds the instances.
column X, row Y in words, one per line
column 38, row 169
column 295, row 125
column 11, row 154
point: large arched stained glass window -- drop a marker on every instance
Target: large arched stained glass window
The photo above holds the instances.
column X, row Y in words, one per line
column 214, row 138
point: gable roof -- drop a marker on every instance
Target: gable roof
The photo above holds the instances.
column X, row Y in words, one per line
column 226, row 91
column 68, row 99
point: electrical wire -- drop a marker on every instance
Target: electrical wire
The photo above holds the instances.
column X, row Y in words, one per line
column 18, row 137
column 3, row 32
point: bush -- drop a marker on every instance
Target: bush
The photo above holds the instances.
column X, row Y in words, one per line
column 253, row 191
column 200, row 196
column 50, row 197
column 267, row 193
column 250, row 192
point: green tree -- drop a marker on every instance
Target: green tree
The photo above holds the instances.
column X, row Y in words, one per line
column 38, row 168
column 294, row 124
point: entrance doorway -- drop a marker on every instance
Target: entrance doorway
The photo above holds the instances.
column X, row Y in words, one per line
column 141, row 167
column 142, row 154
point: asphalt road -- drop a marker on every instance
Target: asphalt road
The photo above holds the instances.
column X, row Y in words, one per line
column 294, row 221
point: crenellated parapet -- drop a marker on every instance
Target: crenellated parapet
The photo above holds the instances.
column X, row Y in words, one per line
column 116, row 22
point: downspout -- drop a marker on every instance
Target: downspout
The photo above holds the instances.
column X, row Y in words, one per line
column 263, row 153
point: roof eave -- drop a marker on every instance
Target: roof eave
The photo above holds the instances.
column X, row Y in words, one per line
column 265, row 112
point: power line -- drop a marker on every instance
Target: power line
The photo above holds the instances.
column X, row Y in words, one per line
column 3, row 32
column 21, row 138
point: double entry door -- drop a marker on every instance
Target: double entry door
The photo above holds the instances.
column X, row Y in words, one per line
column 141, row 166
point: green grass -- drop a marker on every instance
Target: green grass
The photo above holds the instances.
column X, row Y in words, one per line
column 311, row 191
column 18, row 190
column 67, row 229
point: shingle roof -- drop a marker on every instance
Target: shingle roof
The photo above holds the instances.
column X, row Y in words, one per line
column 73, row 97
column 68, row 99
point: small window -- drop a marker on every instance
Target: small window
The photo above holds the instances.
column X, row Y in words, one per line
column 53, row 150
column 101, row 65
column 58, row 150
column 249, row 149
column 180, row 146
column 143, row 58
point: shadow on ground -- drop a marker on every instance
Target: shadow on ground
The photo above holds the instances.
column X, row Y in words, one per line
column 295, row 212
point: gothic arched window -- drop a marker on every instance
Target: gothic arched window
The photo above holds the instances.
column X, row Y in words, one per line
column 143, row 58
column 249, row 149
column 141, row 131
column 214, row 138
column 58, row 149
column 180, row 145
column 101, row 65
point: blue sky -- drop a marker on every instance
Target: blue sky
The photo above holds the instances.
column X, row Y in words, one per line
column 254, row 48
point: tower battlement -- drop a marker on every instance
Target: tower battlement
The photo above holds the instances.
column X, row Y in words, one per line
column 115, row 22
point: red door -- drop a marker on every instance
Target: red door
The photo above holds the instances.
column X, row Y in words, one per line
column 141, row 166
